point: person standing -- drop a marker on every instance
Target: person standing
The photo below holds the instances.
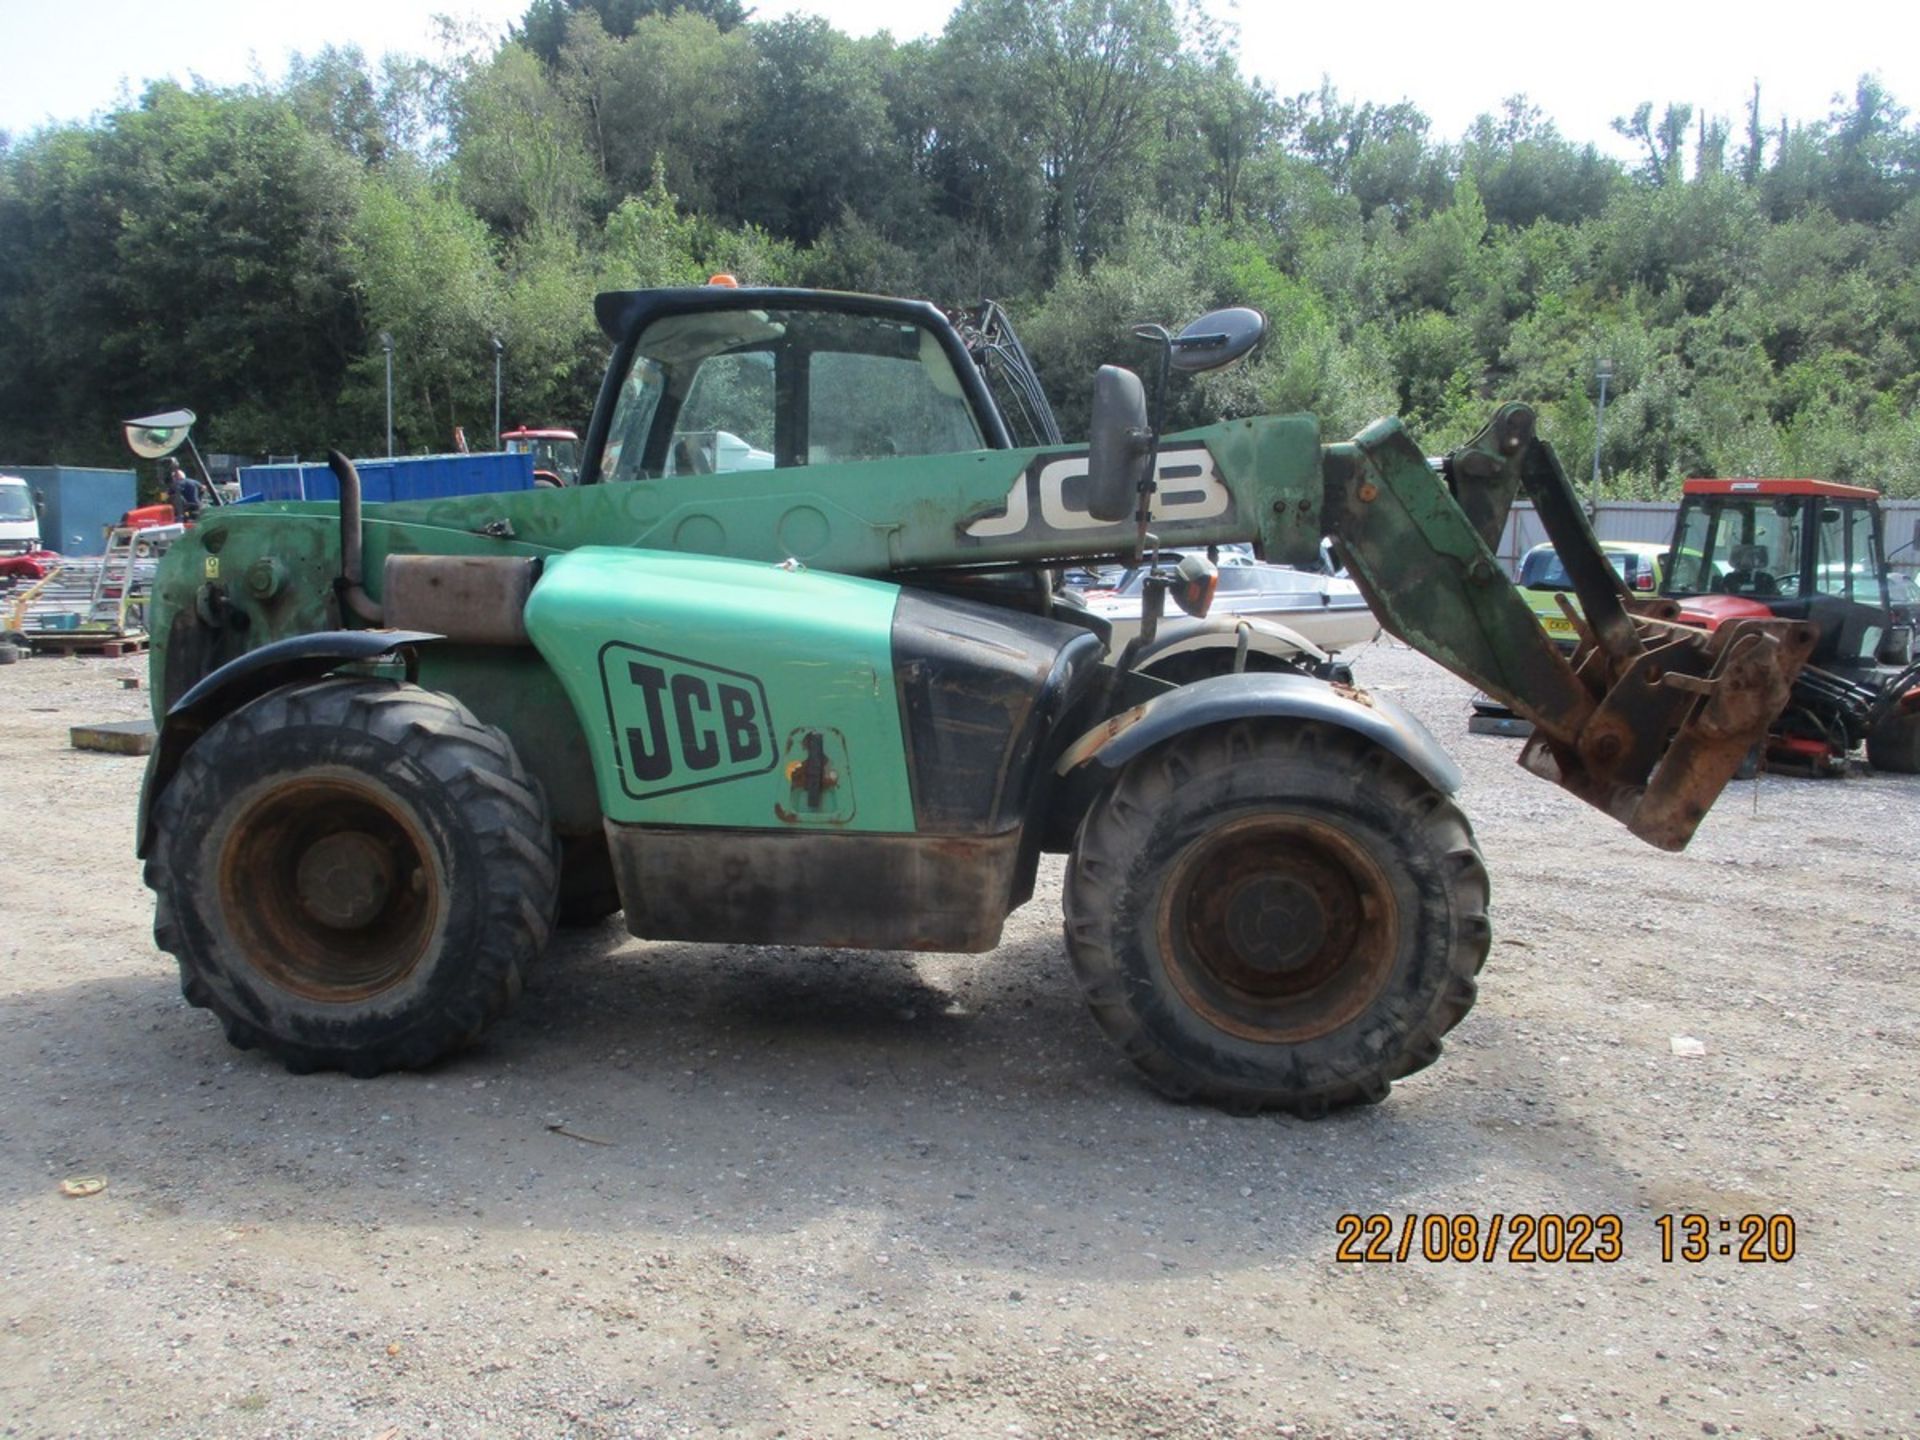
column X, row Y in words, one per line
column 184, row 493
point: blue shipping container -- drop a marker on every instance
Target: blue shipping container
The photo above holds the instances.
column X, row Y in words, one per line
column 80, row 504
column 404, row 477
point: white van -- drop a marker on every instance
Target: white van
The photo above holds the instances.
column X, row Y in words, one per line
column 19, row 522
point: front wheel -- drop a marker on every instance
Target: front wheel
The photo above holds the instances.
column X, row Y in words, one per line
column 1278, row 915
column 352, row 874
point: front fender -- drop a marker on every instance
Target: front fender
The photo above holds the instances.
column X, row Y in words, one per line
column 1180, row 636
column 1264, row 695
column 247, row 678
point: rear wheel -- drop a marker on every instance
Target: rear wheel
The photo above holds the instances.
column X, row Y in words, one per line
column 1276, row 916
column 1894, row 745
column 352, row 874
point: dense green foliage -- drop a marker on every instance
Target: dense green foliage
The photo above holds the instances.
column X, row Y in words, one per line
column 1092, row 163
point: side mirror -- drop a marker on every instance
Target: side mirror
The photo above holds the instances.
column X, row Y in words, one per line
column 1217, row 339
column 1118, row 449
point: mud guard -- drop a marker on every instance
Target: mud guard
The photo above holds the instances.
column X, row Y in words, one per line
column 247, row 678
column 1224, row 699
column 1222, row 632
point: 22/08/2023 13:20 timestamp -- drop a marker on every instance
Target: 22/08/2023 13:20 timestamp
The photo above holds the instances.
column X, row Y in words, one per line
column 1555, row 1239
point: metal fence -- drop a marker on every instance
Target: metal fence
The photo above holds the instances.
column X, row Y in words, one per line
column 1651, row 521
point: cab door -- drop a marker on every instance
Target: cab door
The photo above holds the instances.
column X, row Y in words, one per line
column 1847, row 590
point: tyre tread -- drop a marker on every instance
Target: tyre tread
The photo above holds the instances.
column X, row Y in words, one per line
column 1107, row 852
column 502, row 807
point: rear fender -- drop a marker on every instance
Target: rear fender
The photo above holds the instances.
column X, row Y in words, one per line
column 1089, row 761
column 304, row 657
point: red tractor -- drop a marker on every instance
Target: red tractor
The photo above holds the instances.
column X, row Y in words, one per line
column 1807, row 550
column 556, row 454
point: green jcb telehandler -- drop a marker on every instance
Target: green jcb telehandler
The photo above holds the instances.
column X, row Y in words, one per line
column 787, row 667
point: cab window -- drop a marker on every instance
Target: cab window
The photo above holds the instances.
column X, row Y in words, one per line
column 726, row 423
column 1741, row 546
column 1848, row 561
column 712, row 392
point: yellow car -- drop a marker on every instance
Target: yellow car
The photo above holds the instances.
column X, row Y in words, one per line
column 1543, row 579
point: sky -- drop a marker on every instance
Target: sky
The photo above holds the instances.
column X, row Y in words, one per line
column 1581, row 64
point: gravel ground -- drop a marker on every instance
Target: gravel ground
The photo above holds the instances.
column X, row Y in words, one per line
column 804, row 1194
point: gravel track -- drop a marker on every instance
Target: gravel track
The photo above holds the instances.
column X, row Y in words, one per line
column 801, row 1193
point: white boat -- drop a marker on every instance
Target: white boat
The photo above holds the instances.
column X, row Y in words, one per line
column 1325, row 609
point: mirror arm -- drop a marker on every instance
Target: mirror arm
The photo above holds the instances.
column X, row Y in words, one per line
column 1162, row 339
column 1153, row 604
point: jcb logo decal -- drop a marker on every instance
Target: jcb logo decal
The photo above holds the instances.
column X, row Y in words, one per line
column 679, row 724
column 1049, row 497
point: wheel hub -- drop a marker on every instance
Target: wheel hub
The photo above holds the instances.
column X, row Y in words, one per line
column 344, row 879
column 1275, row 923
column 328, row 887
column 1278, row 927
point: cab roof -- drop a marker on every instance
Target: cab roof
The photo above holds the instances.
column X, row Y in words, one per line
column 1826, row 489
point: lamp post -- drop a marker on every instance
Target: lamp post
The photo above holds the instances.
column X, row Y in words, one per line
column 386, row 344
column 1603, row 371
column 497, row 348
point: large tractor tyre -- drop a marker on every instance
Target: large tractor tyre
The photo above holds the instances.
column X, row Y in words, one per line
column 353, row 875
column 589, row 893
column 1894, row 745
column 1276, row 916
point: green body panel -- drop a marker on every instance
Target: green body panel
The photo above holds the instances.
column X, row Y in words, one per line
column 698, row 681
column 877, row 516
column 276, row 563
column 516, row 690
column 275, row 567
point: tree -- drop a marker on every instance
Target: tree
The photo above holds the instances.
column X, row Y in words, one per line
column 377, row 116
column 1873, row 163
column 425, row 273
column 1524, row 171
column 815, row 137
column 1377, row 153
column 1753, row 154
column 1217, row 123
column 187, row 251
column 1664, row 146
column 520, row 156
column 546, row 25
column 1084, row 83
column 672, row 92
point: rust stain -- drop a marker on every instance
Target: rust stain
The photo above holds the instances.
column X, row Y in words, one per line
column 1097, row 739
column 1355, row 694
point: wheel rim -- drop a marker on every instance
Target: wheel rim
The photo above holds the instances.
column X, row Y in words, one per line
column 330, row 889
column 1278, row 928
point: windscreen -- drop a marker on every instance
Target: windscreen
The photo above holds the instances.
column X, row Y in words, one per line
column 1737, row 545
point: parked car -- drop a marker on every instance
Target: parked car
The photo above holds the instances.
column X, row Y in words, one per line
column 1328, row 611
column 1543, row 579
